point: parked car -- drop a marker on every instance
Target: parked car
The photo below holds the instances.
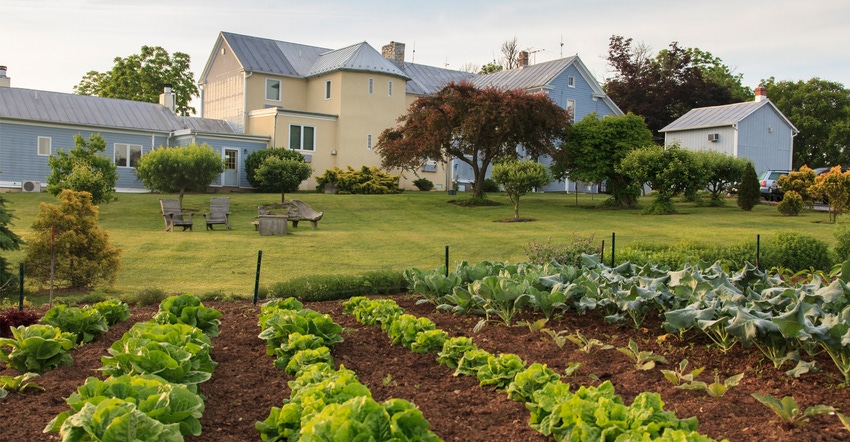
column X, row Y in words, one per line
column 775, row 193
column 767, row 182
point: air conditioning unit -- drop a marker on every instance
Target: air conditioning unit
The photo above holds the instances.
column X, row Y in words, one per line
column 307, row 158
column 713, row 137
column 31, row 186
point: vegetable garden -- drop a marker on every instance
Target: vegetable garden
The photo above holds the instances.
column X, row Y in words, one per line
column 515, row 352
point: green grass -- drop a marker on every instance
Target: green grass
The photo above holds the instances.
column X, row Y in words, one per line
column 363, row 233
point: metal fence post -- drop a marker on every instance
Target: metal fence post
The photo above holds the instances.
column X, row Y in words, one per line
column 447, row 261
column 257, row 279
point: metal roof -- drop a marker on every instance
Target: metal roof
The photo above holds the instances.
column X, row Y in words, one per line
column 85, row 110
column 528, row 77
column 715, row 116
column 358, row 57
column 425, row 80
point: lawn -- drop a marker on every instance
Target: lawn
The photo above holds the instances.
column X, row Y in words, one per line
column 361, row 233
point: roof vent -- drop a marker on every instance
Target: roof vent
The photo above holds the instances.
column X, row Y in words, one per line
column 4, row 80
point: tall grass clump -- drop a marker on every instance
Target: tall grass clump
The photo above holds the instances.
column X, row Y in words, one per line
column 568, row 253
column 795, row 251
column 675, row 255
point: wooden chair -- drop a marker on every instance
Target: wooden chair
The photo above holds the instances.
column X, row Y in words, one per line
column 299, row 211
column 219, row 213
column 174, row 216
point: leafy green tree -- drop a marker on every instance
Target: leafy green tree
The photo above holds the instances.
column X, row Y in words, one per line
column 284, row 175
column 594, row 148
column 519, row 177
column 475, row 126
column 669, row 171
column 180, row 169
column 820, row 109
column 83, row 255
column 8, row 241
column 720, row 172
column 490, row 68
column 749, row 193
column 665, row 87
column 253, row 161
column 83, row 169
column 143, row 77
column 835, row 187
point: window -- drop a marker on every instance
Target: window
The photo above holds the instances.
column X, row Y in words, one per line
column 272, row 89
column 571, row 81
column 371, row 85
column 328, row 90
column 302, row 137
column 390, row 88
column 44, row 144
column 127, row 155
column 369, row 142
column 571, row 108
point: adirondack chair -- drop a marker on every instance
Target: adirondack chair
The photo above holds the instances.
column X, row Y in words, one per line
column 174, row 216
column 219, row 213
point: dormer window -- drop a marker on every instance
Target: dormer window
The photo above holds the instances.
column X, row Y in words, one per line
column 571, row 81
column 272, row 89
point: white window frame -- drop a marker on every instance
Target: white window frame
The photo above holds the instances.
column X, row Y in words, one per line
column 571, row 81
column 127, row 149
column 571, row 105
column 300, row 146
column 369, row 142
column 389, row 88
column 371, row 85
column 49, row 143
column 269, row 87
column 327, row 90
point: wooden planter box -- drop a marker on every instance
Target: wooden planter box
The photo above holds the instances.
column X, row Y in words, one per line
column 272, row 225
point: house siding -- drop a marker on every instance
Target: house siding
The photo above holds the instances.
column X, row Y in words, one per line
column 19, row 159
column 766, row 139
column 224, row 91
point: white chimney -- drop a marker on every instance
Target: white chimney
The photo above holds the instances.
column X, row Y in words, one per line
column 167, row 99
column 4, row 80
column 761, row 93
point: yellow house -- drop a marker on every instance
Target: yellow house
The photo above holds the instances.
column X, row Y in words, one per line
column 328, row 104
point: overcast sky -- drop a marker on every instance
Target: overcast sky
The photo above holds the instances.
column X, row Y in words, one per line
column 51, row 44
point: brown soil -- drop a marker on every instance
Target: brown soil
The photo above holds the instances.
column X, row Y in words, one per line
column 246, row 384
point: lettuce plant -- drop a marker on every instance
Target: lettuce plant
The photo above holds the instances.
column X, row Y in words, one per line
column 87, row 323
column 429, row 340
column 154, row 396
column 499, row 371
column 280, row 324
column 533, row 378
column 113, row 310
column 305, row 358
column 294, row 344
column 189, row 310
column 453, row 350
column 471, row 362
column 17, row 383
column 114, row 420
column 404, row 328
column 789, row 411
column 37, row 348
column 15, row 318
column 364, row 418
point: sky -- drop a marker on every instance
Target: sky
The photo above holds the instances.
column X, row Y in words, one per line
column 51, row 44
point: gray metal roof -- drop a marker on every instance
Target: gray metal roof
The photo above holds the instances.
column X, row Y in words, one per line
column 84, row 110
column 425, row 80
column 296, row 60
column 715, row 116
column 359, row 57
column 529, row 77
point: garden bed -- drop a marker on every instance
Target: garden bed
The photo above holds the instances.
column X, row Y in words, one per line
column 246, row 385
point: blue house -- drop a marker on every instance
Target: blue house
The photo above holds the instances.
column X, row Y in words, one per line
column 568, row 82
column 35, row 124
column 754, row 130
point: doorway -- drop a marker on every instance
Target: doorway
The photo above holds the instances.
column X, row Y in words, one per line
column 231, row 168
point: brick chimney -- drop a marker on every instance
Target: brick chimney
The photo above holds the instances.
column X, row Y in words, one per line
column 166, row 98
column 4, row 80
column 394, row 51
column 761, row 93
column 522, row 59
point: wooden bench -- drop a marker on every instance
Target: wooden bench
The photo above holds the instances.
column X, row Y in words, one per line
column 294, row 210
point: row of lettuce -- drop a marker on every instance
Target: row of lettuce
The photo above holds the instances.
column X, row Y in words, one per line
column 787, row 322
column 589, row 413
column 153, row 371
column 326, row 403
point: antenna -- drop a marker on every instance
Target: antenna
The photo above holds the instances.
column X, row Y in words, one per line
column 413, row 58
column 562, row 46
column 447, row 62
column 532, row 51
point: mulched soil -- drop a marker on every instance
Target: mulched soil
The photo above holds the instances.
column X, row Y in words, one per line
column 246, row 384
